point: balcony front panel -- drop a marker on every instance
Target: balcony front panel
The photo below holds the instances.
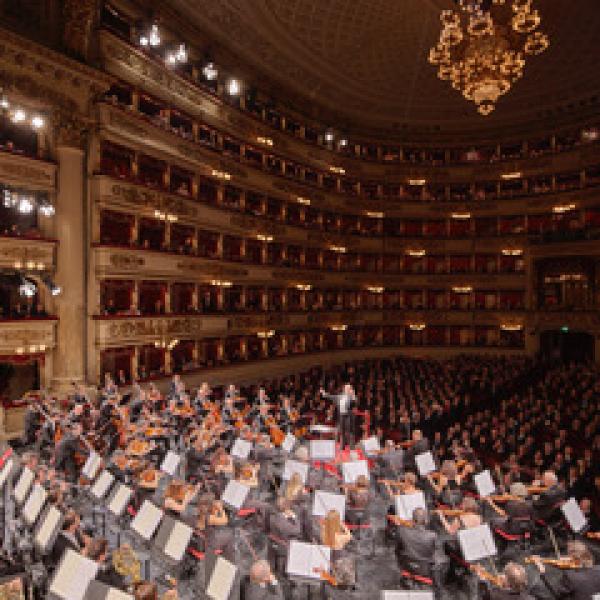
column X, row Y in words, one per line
column 29, row 254
column 122, row 331
column 27, row 336
column 28, row 173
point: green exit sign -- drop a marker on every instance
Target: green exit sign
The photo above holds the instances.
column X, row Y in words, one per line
column 565, row 329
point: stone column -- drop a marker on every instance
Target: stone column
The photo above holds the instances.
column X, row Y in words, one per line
column 71, row 261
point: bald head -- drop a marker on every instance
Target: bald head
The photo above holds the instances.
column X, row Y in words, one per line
column 260, row 571
column 516, row 577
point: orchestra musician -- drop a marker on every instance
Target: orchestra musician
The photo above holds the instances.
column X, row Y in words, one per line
column 580, row 578
column 262, row 584
column 515, row 582
column 419, row 549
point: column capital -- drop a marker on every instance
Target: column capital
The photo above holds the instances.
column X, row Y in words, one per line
column 71, row 130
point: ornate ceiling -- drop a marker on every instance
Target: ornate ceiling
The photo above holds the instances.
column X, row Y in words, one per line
column 362, row 64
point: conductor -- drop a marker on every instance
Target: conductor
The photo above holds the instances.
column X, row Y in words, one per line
column 345, row 403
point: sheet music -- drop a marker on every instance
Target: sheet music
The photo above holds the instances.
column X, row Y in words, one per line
column 120, row 499
column 48, row 526
column 326, row 501
column 170, row 463
column 147, row 519
column 6, row 471
column 34, row 504
column 295, row 466
column 73, row 576
column 425, row 463
column 91, row 466
column 241, row 448
column 484, row 483
column 354, row 469
column 178, row 541
column 574, row 515
column 406, row 504
column 371, row 445
column 288, row 443
column 477, row 543
column 406, row 595
column 221, row 580
column 322, row 449
column 102, row 484
column 235, row 494
column 23, row 484
column 308, row 560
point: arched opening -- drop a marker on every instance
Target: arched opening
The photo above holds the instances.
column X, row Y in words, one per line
column 567, row 345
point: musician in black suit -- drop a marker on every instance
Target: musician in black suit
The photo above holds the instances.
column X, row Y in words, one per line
column 547, row 505
column 416, row 546
column 64, row 454
column 345, row 403
column 31, row 424
column 70, row 536
column 97, row 551
column 515, row 577
column 579, row 583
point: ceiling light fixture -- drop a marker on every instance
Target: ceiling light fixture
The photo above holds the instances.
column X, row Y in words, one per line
column 482, row 47
column 210, row 72
column 234, row 87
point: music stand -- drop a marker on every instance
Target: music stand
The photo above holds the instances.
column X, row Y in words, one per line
column 92, row 466
column 170, row 463
column 173, row 538
column 8, row 470
column 484, row 483
column 72, row 577
column 235, row 494
column 322, row 449
column 406, row 504
column 294, row 466
column 477, row 543
column 325, row 501
column 288, row 443
column 223, row 580
column 355, row 469
column 241, row 449
column 147, row 520
column 425, row 463
column 118, row 499
column 34, row 504
column 47, row 529
column 23, row 485
column 102, row 485
column 573, row 515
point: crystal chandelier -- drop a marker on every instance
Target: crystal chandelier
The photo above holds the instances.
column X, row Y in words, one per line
column 482, row 47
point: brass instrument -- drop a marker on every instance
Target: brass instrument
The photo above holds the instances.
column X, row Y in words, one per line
column 126, row 563
column 564, row 562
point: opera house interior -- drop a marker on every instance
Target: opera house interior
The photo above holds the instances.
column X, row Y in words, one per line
column 299, row 299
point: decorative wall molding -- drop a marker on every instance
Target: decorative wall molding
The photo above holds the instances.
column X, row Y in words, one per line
column 28, row 173
column 19, row 251
column 27, row 336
